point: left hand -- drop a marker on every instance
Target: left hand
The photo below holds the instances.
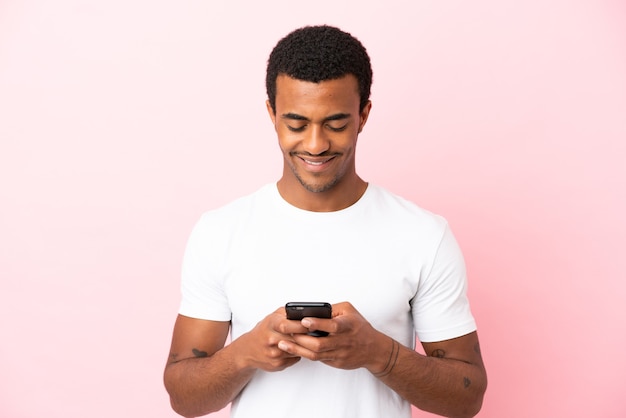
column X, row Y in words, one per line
column 352, row 341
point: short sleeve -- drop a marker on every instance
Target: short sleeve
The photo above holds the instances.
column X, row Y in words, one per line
column 202, row 290
column 440, row 308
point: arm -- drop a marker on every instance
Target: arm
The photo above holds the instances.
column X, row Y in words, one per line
column 449, row 381
column 202, row 375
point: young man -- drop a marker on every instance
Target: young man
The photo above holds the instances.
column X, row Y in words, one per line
column 321, row 233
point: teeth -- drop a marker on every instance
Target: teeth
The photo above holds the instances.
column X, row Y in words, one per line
column 315, row 162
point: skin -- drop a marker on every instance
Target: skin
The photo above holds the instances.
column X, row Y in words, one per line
column 449, row 381
column 317, row 125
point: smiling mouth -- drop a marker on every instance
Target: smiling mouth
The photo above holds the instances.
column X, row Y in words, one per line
column 315, row 160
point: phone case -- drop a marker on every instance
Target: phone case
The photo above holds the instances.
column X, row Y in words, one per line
column 299, row 310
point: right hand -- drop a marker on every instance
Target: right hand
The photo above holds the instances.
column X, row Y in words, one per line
column 258, row 348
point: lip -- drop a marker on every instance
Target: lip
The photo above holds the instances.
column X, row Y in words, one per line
column 316, row 164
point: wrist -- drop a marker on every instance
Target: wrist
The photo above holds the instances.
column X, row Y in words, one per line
column 387, row 362
column 237, row 352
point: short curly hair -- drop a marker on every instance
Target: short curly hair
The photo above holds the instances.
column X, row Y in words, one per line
column 319, row 53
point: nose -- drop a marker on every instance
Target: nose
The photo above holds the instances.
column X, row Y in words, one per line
column 315, row 141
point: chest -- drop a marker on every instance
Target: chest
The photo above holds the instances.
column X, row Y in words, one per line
column 377, row 271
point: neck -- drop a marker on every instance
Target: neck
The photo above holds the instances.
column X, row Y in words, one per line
column 342, row 195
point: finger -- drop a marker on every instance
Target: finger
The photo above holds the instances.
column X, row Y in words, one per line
column 314, row 344
column 289, row 347
column 343, row 323
column 281, row 311
column 279, row 354
column 298, row 350
column 278, row 364
column 319, row 324
column 289, row 327
column 342, row 308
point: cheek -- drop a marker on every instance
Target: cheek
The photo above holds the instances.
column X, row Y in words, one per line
column 288, row 138
column 349, row 141
column 286, row 142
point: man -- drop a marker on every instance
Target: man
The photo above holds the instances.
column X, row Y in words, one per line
column 321, row 233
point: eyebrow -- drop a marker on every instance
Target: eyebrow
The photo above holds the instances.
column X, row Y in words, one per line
column 295, row 116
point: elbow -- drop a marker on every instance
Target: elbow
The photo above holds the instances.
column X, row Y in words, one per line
column 188, row 410
column 182, row 409
column 473, row 409
column 189, row 406
column 187, row 401
column 178, row 401
column 474, row 405
column 178, row 405
column 468, row 410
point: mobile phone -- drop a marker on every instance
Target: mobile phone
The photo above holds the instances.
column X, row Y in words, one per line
column 299, row 310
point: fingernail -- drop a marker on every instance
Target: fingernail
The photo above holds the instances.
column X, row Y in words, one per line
column 282, row 345
column 306, row 323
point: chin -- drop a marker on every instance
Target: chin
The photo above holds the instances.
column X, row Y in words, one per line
column 319, row 187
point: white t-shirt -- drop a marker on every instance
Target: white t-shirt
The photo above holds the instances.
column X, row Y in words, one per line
column 399, row 265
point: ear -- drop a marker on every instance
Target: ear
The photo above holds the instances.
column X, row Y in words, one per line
column 364, row 115
column 270, row 111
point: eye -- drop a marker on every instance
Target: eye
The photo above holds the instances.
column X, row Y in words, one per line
column 337, row 128
column 296, row 128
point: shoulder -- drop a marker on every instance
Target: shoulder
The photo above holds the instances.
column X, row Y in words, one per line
column 220, row 224
column 403, row 212
column 239, row 208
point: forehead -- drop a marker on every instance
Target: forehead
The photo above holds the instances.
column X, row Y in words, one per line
column 293, row 95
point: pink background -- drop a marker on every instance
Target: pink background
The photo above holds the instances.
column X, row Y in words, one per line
column 122, row 121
